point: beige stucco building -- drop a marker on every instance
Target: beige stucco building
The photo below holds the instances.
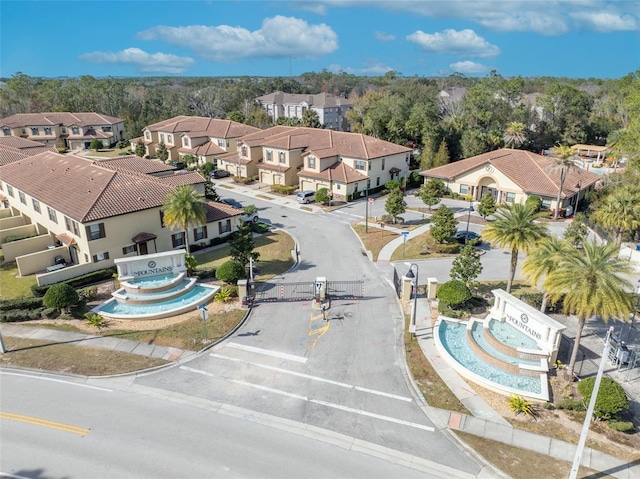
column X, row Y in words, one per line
column 203, row 138
column 74, row 131
column 91, row 213
column 511, row 176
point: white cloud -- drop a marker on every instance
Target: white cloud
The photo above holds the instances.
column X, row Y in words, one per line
column 313, row 7
column 371, row 67
column 385, row 37
column 143, row 61
column 465, row 42
column 604, row 21
column 278, row 37
column 468, row 67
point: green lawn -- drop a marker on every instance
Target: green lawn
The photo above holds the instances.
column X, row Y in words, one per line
column 116, row 152
column 11, row 286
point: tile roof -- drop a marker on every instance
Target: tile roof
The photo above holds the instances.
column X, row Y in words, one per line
column 182, row 177
column 213, row 127
column 533, row 173
column 218, row 211
column 338, row 172
column 14, row 148
column 82, row 189
column 206, row 149
column 135, row 163
column 58, row 118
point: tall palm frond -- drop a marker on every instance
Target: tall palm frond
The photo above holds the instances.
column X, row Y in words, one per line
column 182, row 208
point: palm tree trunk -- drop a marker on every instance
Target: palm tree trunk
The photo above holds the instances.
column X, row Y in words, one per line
column 186, row 240
column 619, row 237
column 563, row 174
column 545, row 298
column 576, row 348
column 512, row 272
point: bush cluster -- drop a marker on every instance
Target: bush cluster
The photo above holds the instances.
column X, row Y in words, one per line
column 282, row 189
column 447, row 248
column 621, row 426
column 454, row 293
column 245, row 181
column 212, row 242
column 10, row 239
column 206, row 273
column 231, row 271
column 611, row 400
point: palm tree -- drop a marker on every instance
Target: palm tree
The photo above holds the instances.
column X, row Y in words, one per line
column 515, row 135
column 561, row 161
column 183, row 207
column 619, row 212
column 587, row 280
column 543, row 259
column 515, row 228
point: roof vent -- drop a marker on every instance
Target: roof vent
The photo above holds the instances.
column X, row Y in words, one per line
column 140, row 198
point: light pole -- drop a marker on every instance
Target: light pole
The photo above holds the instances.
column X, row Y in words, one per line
column 414, row 311
column 579, row 185
column 633, row 316
column 466, row 235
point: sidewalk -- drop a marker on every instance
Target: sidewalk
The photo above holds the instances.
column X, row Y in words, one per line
column 486, row 422
column 111, row 343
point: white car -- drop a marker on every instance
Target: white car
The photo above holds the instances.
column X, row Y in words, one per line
column 253, row 218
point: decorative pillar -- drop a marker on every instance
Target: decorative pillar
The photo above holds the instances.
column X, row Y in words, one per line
column 242, row 288
column 432, row 288
column 406, row 288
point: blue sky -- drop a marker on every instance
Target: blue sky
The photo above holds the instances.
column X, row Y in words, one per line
column 579, row 39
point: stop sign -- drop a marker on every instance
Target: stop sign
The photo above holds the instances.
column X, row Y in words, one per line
column 370, row 201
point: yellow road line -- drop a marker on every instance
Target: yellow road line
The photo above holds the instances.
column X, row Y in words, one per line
column 319, row 331
column 81, row 431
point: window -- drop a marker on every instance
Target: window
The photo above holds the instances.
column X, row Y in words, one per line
column 269, row 155
column 378, row 181
column 177, row 240
column 47, row 130
column 76, row 230
column 23, row 199
column 86, row 258
column 36, row 204
column 35, row 131
column 95, row 231
column 10, row 190
column 161, row 137
column 74, row 130
column 185, row 142
column 312, row 161
column 24, row 131
column 52, row 214
column 244, row 150
column 361, row 165
column 162, row 219
column 170, row 139
column 147, row 135
column 63, row 130
column 71, row 226
column 129, row 249
column 281, row 156
column 224, row 226
column 100, row 257
column 6, row 131
column 546, row 204
column 220, row 142
column 355, row 187
column 338, row 186
column 383, row 164
column 200, row 233
column 511, row 197
column 106, row 128
column 464, row 189
column 67, row 223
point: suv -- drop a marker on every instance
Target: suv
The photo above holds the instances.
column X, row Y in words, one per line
column 220, row 174
column 306, row 197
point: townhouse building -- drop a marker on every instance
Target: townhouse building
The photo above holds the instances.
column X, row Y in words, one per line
column 73, row 131
column 512, row 176
column 14, row 148
column 331, row 109
column 347, row 164
column 201, row 137
column 90, row 213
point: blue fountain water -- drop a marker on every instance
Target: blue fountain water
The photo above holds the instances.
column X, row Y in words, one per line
column 152, row 281
column 478, row 334
column 453, row 337
column 510, row 336
column 196, row 296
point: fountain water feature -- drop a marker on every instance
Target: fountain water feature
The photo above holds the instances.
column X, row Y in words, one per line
column 509, row 352
column 154, row 286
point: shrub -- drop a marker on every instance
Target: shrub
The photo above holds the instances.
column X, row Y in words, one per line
column 206, row 273
column 19, row 315
column 11, row 239
column 611, row 397
column 49, row 313
column 231, row 271
column 259, row 228
column 94, row 319
column 520, row 405
column 535, row 202
column 223, row 296
column 60, row 296
column 322, row 196
column 571, row 404
column 232, row 289
column 20, row 303
column 621, row 426
column 387, row 219
column 283, row 189
column 454, row 293
column 445, row 248
column 88, row 294
column 446, row 310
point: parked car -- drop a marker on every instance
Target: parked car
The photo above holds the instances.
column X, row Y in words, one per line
column 467, row 237
column 232, row 202
column 180, row 165
column 220, row 174
column 306, row 197
column 252, row 218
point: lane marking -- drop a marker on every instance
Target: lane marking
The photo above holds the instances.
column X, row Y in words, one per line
column 57, row 381
column 315, row 378
column 337, row 406
column 81, row 431
column 266, row 352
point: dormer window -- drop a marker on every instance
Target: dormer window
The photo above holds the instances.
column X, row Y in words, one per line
column 6, row 131
column 34, row 131
column 170, row 139
column 244, row 150
column 269, row 155
column 185, row 141
column 74, row 130
column 47, row 130
column 281, row 157
column 147, row 135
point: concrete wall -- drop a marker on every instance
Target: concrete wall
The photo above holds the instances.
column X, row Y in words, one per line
column 5, row 213
column 26, row 246
column 12, row 222
column 36, row 262
column 17, row 231
column 65, row 273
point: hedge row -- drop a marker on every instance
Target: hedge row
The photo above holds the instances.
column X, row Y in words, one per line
column 20, row 303
column 79, row 281
column 18, row 315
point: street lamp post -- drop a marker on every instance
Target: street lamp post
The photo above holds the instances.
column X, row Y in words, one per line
column 466, row 235
column 633, row 316
column 414, row 311
column 579, row 185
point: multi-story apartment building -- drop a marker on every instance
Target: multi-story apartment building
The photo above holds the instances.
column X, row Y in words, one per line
column 91, row 213
column 312, row 158
column 204, row 138
column 74, row 131
column 331, row 109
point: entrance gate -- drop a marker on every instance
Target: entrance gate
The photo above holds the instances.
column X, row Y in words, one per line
column 306, row 291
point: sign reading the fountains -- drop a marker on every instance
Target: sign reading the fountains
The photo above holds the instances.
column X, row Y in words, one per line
column 520, row 320
column 151, row 269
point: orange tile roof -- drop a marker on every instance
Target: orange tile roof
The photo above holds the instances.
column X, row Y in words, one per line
column 14, row 148
column 135, row 163
column 338, row 172
column 216, row 211
column 533, row 173
column 58, row 118
column 213, row 127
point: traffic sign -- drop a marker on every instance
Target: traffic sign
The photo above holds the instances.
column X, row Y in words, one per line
column 370, row 201
column 405, row 233
column 329, row 193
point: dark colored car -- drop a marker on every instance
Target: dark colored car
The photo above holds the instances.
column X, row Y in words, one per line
column 180, row 165
column 220, row 174
column 467, row 237
column 232, row 202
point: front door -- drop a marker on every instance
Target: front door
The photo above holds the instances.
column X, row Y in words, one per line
column 142, row 248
